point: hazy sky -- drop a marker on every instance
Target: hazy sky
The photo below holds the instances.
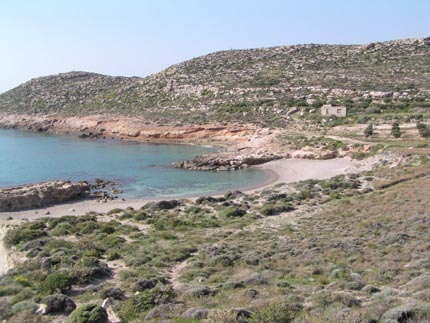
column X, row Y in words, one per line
column 126, row 37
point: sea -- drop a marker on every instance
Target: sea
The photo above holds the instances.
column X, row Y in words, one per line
column 142, row 170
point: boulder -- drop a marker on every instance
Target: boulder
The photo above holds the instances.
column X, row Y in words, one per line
column 113, row 293
column 167, row 205
column 370, row 289
column 404, row 313
column 242, row 315
column 144, row 284
column 418, row 283
column 58, row 303
column 250, row 293
column 41, row 194
column 163, row 312
column 199, row 291
column 195, row 314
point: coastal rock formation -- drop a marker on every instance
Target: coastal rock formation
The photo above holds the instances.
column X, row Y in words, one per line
column 226, row 161
column 41, row 194
column 129, row 128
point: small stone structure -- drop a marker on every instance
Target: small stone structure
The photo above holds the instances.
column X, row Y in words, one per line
column 329, row 110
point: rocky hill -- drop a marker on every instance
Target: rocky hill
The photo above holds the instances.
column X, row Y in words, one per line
column 255, row 85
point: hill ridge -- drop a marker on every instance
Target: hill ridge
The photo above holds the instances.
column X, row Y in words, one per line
column 256, row 85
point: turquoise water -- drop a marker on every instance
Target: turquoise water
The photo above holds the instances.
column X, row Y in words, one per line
column 143, row 170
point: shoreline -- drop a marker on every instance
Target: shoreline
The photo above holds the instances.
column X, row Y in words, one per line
column 281, row 171
column 133, row 129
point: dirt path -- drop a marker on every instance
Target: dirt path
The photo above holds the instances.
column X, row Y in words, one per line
column 175, row 273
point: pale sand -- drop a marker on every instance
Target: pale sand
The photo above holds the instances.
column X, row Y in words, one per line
column 283, row 171
column 295, row 170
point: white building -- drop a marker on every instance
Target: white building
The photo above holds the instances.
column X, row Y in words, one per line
column 329, row 110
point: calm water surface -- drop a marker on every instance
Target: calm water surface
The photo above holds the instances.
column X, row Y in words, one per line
column 144, row 170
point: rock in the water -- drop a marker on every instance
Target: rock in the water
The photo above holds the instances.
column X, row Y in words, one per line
column 226, row 161
column 41, row 194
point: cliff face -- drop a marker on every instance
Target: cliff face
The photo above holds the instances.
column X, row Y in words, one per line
column 256, row 85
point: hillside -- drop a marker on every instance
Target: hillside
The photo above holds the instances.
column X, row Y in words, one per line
column 255, row 85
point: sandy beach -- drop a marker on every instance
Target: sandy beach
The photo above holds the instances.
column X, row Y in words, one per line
column 283, row 171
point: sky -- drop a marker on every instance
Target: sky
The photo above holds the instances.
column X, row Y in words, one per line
column 142, row 37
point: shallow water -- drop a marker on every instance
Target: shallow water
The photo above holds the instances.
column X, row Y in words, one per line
column 142, row 169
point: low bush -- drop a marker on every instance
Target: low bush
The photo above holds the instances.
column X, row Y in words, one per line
column 395, row 130
column 275, row 208
column 274, row 313
column 369, row 130
column 55, row 282
column 89, row 313
column 23, row 306
column 19, row 235
column 423, row 130
column 232, row 212
column 136, row 306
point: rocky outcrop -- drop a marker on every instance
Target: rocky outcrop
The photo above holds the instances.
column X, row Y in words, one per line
column 41, row 194
column 129, row 128
column 226, row 161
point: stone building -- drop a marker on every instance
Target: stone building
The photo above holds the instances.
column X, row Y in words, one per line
column 329, row 110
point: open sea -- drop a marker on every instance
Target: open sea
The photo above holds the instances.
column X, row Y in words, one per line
column 142, row 169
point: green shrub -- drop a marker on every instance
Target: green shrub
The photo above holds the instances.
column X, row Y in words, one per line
column 113, row 256
column 369, row 130
column 62, row 229
column 274, row 313
column 373, row 110
column 23, row 295
column 87, row 227
column 55, row 282
column 395, row 130
column 10, row 290
column 92, row 253
column 141, row 216
column 89, row 313
column 233, row 212
column 137, row 305
column 19, row 235
column 275, row 208
column 423, row 130
column 23, row 306
column 114, row 211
